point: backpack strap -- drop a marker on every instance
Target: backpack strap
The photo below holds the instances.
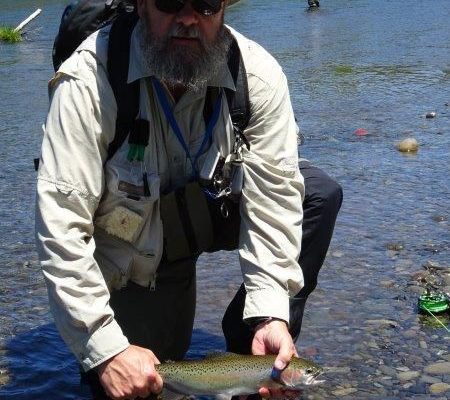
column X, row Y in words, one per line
column 238, row 101
column 127, row 94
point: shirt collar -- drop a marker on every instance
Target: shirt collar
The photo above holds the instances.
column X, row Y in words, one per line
column 139, row 69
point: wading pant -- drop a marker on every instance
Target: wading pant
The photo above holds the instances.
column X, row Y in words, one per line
column 162, row 320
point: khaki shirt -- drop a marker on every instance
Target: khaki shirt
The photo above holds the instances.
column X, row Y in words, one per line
column 92, row 238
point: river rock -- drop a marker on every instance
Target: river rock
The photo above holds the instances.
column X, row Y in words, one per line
column 383, row 323
column 429, row 379
column 438, row 388
column 440, row 368
column 431, row 114
column 387, row 283
column 4, row 379
column 419, row 388
column 446, row 279
column 338, row 370
column 439, row 218
column 434, row 266
column 395, row 246
column 408, row 375
column 388, row 370
column 344, row 392
column 408, row 145
column 416, row 289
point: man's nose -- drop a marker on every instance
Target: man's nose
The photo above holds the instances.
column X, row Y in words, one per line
column 187, row 15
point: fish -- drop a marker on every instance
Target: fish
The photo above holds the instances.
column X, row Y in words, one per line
column 227, row 374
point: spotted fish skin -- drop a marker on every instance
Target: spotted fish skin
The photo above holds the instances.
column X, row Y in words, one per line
column 227, row 375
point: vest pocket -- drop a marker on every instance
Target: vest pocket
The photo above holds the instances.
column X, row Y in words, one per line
column 187, row 224
column 114, row 257
column 127, row 232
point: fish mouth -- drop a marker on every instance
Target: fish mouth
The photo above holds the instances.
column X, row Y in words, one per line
column 312, row 380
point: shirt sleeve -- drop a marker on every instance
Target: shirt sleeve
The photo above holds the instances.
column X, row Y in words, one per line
column 69, row 187
column 271, row 206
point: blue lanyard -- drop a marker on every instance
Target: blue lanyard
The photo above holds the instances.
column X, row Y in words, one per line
column 162, row 97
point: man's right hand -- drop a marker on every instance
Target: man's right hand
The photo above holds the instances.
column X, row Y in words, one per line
column 130, row 374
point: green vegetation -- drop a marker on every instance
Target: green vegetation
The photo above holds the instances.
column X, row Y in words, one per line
column 343, row 69
column 9, row 35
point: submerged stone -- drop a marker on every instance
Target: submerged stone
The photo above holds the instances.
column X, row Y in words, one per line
column 408, row 375
column 4, row 377
column 395, row 246
column 409, row 145
column 437, row 388
column 440, row 368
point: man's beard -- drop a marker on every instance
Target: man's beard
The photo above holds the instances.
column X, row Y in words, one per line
column 189, row 66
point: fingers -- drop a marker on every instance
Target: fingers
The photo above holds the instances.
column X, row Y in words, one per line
column 274, row 338
column 153, row 378
column 286, row 351
column 264, row 393
column 156, row 384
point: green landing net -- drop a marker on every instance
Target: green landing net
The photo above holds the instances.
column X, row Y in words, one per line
column 434, row 302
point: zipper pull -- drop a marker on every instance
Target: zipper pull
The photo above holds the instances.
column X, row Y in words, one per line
column 152, row 286
column 237, row 177
column 146, row 186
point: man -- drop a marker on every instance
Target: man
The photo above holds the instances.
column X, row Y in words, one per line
column 122, row 296
column 313, row 3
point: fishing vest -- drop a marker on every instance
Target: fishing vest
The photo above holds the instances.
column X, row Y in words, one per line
column 221, row 222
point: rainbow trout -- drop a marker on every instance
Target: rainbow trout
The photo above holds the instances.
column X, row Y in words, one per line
column 227, row 375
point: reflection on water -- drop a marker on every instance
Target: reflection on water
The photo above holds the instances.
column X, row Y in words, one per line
column 376, row 65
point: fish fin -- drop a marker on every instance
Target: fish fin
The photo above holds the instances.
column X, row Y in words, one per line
column 220, row 354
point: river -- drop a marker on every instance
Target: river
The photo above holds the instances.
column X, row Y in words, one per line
column 377, row 65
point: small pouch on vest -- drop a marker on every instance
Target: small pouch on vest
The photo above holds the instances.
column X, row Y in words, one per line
column 187, row 223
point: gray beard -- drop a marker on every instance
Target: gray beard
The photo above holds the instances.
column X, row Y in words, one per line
column 179, row 65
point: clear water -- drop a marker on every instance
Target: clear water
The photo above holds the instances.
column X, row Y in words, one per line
column 378, row 65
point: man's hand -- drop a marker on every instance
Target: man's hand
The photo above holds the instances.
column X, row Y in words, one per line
column 273, row 337
column 130, row 374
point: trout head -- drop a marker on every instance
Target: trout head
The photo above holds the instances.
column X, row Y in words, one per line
column 299, row 373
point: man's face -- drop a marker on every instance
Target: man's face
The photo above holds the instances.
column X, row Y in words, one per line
column 185, row 47
column 164, row 25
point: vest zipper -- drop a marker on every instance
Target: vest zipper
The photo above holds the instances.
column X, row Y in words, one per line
column 152, row 285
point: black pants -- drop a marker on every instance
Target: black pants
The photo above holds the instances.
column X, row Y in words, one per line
column 162, row 320
column 323, row 199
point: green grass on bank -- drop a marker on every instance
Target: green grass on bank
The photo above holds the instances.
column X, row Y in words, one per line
column 9, row 35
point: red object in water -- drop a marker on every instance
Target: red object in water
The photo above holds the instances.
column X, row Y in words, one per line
column 361, row 132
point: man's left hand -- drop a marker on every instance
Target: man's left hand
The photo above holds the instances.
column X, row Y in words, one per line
column 273, row 337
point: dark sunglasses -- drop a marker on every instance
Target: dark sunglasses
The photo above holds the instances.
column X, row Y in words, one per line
column 204, row 7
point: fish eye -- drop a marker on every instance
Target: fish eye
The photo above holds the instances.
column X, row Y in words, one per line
column 309, row 371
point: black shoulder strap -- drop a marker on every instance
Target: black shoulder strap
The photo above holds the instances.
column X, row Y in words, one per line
column 127, row 95
column 238, row 101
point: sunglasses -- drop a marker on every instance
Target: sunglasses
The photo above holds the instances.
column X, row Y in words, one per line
column 203, row 7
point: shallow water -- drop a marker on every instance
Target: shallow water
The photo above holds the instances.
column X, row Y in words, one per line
column 378, row 65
